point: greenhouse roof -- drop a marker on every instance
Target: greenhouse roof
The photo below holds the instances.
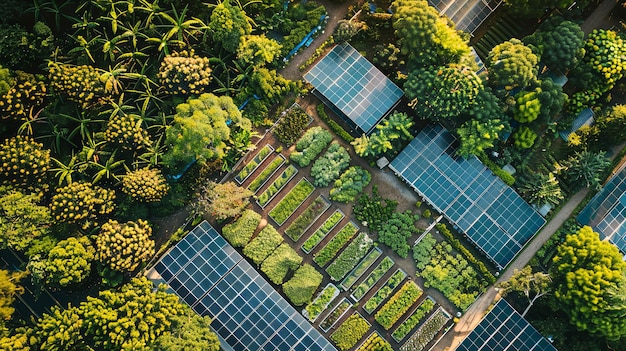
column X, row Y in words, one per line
column 468, row 15
column 353, row 87
column 247, row 313
column 492, row 215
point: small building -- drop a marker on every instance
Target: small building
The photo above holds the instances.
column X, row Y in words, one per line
column 353, row 88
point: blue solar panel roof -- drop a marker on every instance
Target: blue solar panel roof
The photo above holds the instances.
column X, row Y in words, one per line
column 503, row 329
column 606, row 212
column 210, row 276
column 489, row 212
column 354, row 86
column 466, row 14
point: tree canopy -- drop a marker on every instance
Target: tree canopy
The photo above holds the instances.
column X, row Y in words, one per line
column 586, row 270
column 22, row 219
column 228, row 24
column 222, row 201
column 557, row 43
column 511, row 64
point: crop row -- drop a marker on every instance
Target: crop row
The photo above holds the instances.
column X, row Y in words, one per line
column 383, row 267
column 361, row 268
column 414, row 319
column 251, row 166
column 290, row 203
column 322, row 231
column 307, row 218
column 384, row 291
column 350, row 332
column 277, row 185
column 350, row 257
column 328, row 252
column 398, row 304
column 325, row 297
column 427, row 332
column 335, row 314
column 270, row 169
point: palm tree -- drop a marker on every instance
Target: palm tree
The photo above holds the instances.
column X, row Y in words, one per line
column 541, row 189
column 586, row 166
column 180, row 28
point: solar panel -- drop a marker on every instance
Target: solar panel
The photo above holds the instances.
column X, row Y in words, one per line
column 468, row 15
column 480, row 204
column 209, row 275
column 503, row 329
column 362, row 93
column 606, row 212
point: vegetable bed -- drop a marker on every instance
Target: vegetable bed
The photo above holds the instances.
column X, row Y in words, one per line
column 307, row 218
column 335, row 315
column 322, row 231
column 384, row 291
column 398, row 304
column 277, row 185
column 251, row 166
column 383, row 267
column 361, row 268
column 350, row 257
column 350, row 332
column 328, row 252
column 414, row 319
column 267, row 173
column 290, row 203
column 427, row 332
column 325, row 297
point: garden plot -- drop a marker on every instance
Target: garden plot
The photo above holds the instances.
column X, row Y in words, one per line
column 361, row 268
column 313, row 310
column 319, row 235
column 414, row 319
column 398, row 304
column 277, row 185
column 381, row 269
column 350, row 257
column 427, row 332
column 290, row 202
column 383, row 292
column 267, row 173
column 342, row 308
column 328, row 252
column 251, row 166
column 350, row 331
column 307, row 218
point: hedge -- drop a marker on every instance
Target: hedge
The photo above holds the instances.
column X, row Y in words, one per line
column 263, row 244
column 240, row 231
column 334, row 126
column 280, row 262
column 497, row 171
column 331, row 249
column 301, row 287
column 350, row 332
column 350, row 184
column 325, row 297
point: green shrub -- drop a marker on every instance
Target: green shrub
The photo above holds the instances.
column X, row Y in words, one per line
column 323, row 230
column 331, row 249
column 350, row 332
column 280, row 262
column 301, row 287
column 308, row 216
column 310, row 145
column 398, row 304
column 263, row 244
column 290, row 203
column 416, row 317
column 240, row 231
column 374, row 210
column 396, row 231
column 375, row 343
column 334, row 126
column 350, row 184
column 327, row 168
column 422, row 251
column 349, row 257
column 258, row 182
column 291, row 125
column 320, row 303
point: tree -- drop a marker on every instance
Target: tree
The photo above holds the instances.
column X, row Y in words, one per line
column 524, row 137
column 610, row 126
column 82, row 203
column 585, row 270
column 122, row 247
column 425, row 36
column 534, row 8
column 189, row 331
column 397, row 230
column 22, row 220
column 61, row 329
column 552, row 99
column 229, row 24
column 511, row 64
column 557, row 43
column 67, row 264
column 257, row 50
column 442, row 92
column 527, row 107
column 23, row 161
column 222, row 201
column 9, row 289
column 270, row 86
column 541, row 189
column 202, row 131
column 531, row 285
column 185, row 73
column 145, row 185
column 346, row 29
column 478, row 135
column 301, row 287
column 587, row 167
column 126, row 131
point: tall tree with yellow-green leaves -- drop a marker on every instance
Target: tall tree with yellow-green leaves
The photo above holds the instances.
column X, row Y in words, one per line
column 122, row 247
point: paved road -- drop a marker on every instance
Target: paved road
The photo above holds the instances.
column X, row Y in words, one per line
column 599, row 18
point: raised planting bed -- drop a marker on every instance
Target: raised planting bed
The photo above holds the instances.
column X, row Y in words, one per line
column 328, row 252
column 267, row 173
column 307, row 218
column 277, row 185
column 350, row 257
column 414, row 319
column 383, row 267
column 398, row 304
column 375, row 342
column 317, row 306
column 311, row 144
column 361, row 268
column 384, row 291
column 427, row 332
column 319, row 235
column 290, row 203
column 251, row 166
column 350, row 332
column 292, row 124
column 342, row 307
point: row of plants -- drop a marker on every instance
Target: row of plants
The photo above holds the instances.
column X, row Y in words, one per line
column 381, row 269
column 414, row 319
column 350, row 184
column 267, row 173
column 456, row 244
column 280, row 262
column 342, row 307
column 240, row 231
column 375, row 342
column 302, row 285
column 291, row 125
column 329, row 224
column 251, row 166
column 290, row 202
column 333, row 125
column 350, row 332
column 350, row 257
column 427, row 332
column 311, row 144
column 384, row 291
column 328, row 252
column 361, row 268
column 397, row 230
column 263, row 244
column 329, row 166
column 323, row 299
column 398, row 304
column 277, row 185
column 307, row 218
column 374, row 210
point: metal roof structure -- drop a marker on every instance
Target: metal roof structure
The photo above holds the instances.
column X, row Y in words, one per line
column 247, row 313
column 489, row 212
column 353, row 87
column 468, row 15
column 503, row 329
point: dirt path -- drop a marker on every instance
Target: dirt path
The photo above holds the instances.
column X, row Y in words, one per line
column 336, row 11
column 599, row 18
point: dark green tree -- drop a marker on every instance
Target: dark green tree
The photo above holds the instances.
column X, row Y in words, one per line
column 558, row 43
column 511, row 64
column 586, row 167
column 541, row 189
column 228, row 24
column 478, row 135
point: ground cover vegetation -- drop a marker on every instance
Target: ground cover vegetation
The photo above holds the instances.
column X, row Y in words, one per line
column 350, row 332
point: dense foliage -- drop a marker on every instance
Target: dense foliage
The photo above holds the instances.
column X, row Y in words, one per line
column 350, row 332
column 557, row 43
column 390, row 134
column 277, row 185
column 310, row 145
column 511, row 64
column 330, row 250
column 267, row 172
column 185, row 73
column 398, row 304
column 291, row 201
column 329, row 166
column 396, row 231
column 381, row 269
column 323, row 299
column 291, row 125
column 384, row 291
column 302, row 285
column 145, row 185
column 222, row 200
column 22, row 219
column 350, row 184
column 241, row 230
column 280, row 262
column 67, row 264
column 319, row 235
column 375, row 343
column 373, row 211
column 123, row 247
column 263, row 244
column 82, row 203
column 350, row 256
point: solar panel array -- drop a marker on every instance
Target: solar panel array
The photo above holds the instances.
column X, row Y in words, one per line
column 503, row 329
column 210, row 276
column 468, row 15
column 489, row 212
column 606, row 212
column 354, row 86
